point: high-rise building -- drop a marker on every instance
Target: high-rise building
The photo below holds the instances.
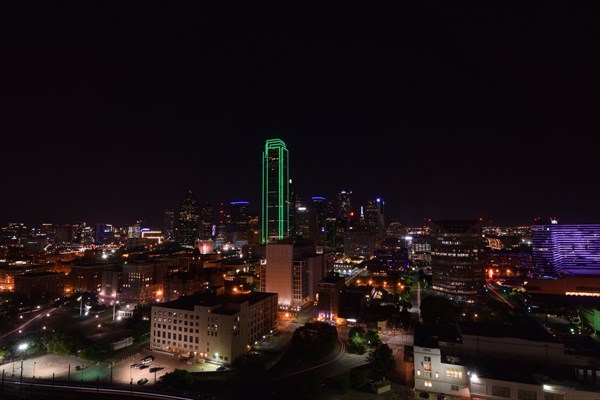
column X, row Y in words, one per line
column 457, row 258
column 292, row 268
column 319, row 211
column 344, row 205
column 206, row 220
column 565, row 249
column 275, row 191
column 301, row 220
column 188, row 229
column 239, row 223
column 374, row 219
column 169, row 224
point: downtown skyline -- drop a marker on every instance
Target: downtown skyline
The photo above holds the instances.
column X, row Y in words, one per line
column 442, row 112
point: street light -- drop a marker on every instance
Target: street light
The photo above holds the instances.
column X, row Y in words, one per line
column 34, row 369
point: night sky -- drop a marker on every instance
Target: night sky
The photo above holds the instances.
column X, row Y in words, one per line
column 112, row 113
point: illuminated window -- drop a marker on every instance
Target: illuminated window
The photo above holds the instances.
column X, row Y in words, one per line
column 427, row 384
column 454, row 373
column 427, row 370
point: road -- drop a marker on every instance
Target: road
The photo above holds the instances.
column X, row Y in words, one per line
column 498, row 295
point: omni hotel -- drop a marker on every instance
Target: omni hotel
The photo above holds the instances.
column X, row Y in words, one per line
column 215, row 328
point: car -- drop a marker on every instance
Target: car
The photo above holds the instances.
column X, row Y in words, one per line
column 142, row 381
column 143, row 366
column 135, row 365
column 147, row 359
column 221, row 368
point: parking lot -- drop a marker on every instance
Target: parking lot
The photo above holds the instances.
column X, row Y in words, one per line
column 74, row 369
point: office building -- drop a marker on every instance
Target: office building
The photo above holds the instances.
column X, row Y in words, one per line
column 302, row 221
column 169, row 224
column 498, row 361
column 40, row 286
column 359, row 242
column 142, row 282
column 216, row 328
column 565, row 250
column 293, row 270
column 275, row 191
column 374, row 219
column 207, row 223
column 188, row 229
column 457, row 258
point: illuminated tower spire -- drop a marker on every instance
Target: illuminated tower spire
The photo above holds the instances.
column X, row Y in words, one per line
column 275, row 191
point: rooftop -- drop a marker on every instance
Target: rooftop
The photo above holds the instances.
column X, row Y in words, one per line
column 211, row 300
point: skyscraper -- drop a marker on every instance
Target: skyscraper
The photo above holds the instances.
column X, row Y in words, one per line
column 344, row 204
column 169, row 224
column 374, row 219
column 457, row 258
column 189, row 220
column 566, row 249
column 275, row 191
column 206, row 220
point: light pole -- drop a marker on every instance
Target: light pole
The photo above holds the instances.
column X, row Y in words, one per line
column 34, row 370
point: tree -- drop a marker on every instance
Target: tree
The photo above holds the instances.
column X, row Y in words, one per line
column 313, row 340
column 356, row 340
column 4, row 353
column 382, row 359
column 358, row 378
column 179, row 378
column 139, row 323
column 373, row 338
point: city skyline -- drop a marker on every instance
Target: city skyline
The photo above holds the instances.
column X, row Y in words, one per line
column 442, row 112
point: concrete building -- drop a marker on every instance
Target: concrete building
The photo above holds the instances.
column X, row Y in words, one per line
column 495, row 361
column 457, row 259
column 359, row 242
column 215, row 328
column 292, row 268
column 275, row 215
column 566, row 250
column 328, row 296
column 143, row 281
column 40, row 286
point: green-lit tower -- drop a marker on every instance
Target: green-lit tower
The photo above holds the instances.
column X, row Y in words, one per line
column 275, row 215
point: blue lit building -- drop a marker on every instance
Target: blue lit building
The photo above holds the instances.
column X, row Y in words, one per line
column 566, row 250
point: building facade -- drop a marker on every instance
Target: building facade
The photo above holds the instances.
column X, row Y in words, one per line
column 292, row 269
column 188, row 228
column 275, row 213
column 457, row 259
column 559, row 250
column 218, row 328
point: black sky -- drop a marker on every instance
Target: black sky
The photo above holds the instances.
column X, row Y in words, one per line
column 111, row 113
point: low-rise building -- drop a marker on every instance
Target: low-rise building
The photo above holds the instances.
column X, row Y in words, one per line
column 216, row 328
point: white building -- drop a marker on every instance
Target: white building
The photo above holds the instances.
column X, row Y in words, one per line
column 434, row 375
column 217, row 328
column 488, row 362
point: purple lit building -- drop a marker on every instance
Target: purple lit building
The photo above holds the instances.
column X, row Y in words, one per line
column 566, row 250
